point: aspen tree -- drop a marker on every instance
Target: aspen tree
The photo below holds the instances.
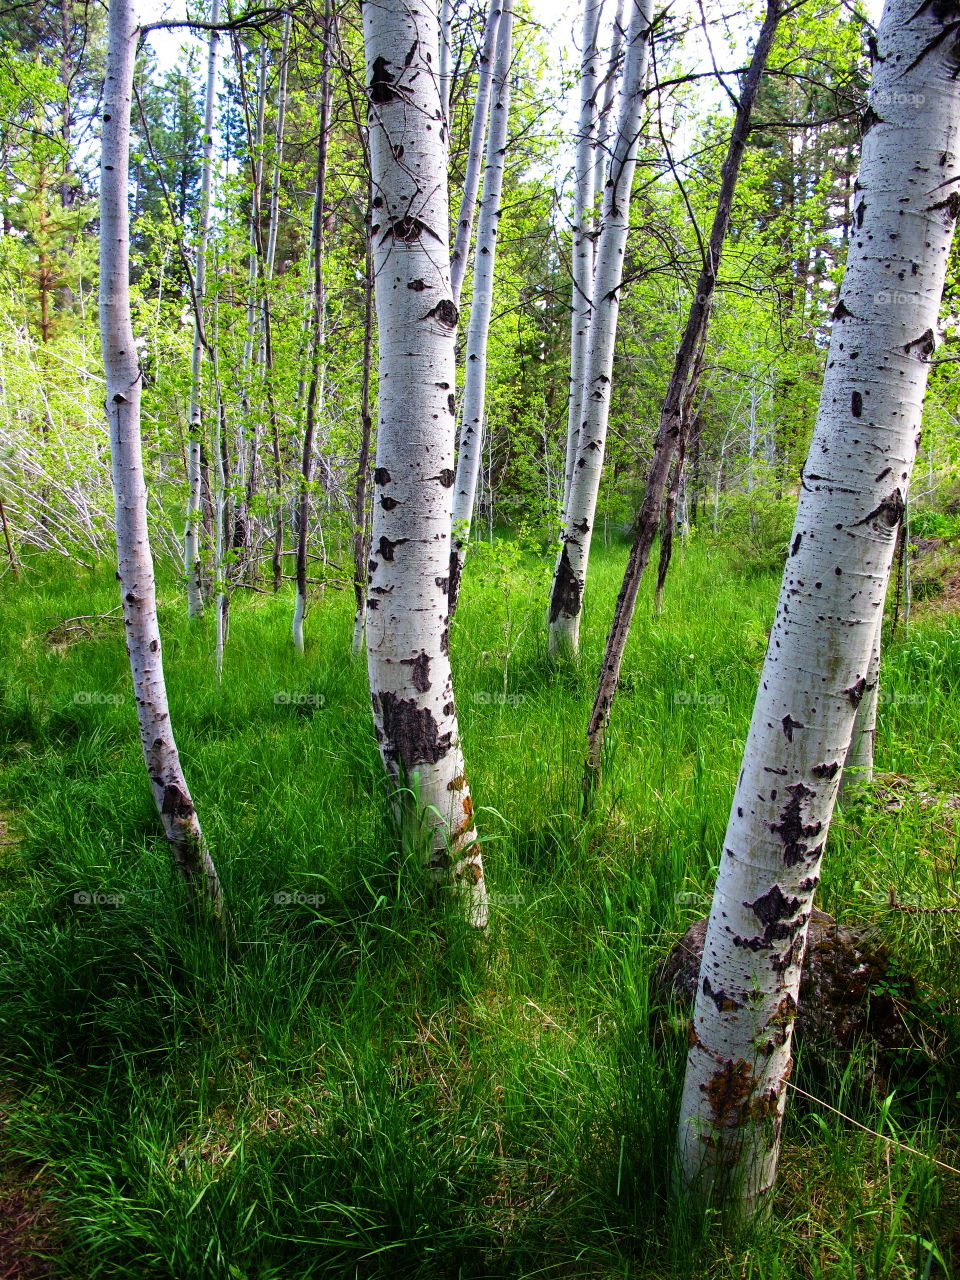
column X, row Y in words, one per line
column 407, row 608
column 852, row 501
column 135, row 570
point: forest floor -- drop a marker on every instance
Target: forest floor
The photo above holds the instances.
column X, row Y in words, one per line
column 370, row 1093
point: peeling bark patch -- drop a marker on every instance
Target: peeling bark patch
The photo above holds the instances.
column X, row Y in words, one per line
column 841, row 311
column 411, row 734
column 789, row 724
column 408, row 230
column 456, row 568
column 926, row 344
column 175, row 803
column 890, row 510
column 445, row 313
column 752, row 944
column 773, row 906
column 856, row 691
column 826, row 770
column 727, row 1090
column 416, row 285
column 566, row 596
column 381, row 476
column 950, row 206
column 796, row 544
column 724, row 1002
column 856, row 404
column 457, row 783
column 388, row 504
column 792, row 829
column 386, row 547
column 446, row 477
column 419, row 671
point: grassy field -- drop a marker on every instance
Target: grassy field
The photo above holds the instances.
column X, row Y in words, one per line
column 367, row 1093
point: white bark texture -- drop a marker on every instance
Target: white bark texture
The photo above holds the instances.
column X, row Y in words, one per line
column 818, row 659
column 134, row 558
column 584, row 198
column 605, row 110
column 407, row 609
column 274, row 213
column 191, row 535
column 474, row 165
column 446, row 57
column 570, row 575
column 481, row 307
column 858, row 764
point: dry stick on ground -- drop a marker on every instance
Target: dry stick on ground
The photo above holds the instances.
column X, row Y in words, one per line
column 134, row 559
column 675, row 406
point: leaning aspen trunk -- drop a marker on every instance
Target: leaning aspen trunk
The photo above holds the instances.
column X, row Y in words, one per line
column 605, row 109
column 858, row 763
column 819, row 656
column 474, row 166
column 677, row 410
column 584, row 197
column 318, row 339
column 407, row 609
column 475, row 376
column 191, row 536
column 570, row 575
column 134, row 558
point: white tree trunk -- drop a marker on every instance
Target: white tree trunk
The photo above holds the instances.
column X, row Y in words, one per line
column 818, row 659
column 274, row 207
column 570, row 575
column 605, row 110
column 318, row 343
column 474, row 166
column 858, row 763
column 191, row 535
column 407, row 609
column 134, row 558
column 584, row 198
column 446, row 58
column 475, row 374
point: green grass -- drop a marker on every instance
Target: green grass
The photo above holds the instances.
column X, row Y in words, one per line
column 368, row 1093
